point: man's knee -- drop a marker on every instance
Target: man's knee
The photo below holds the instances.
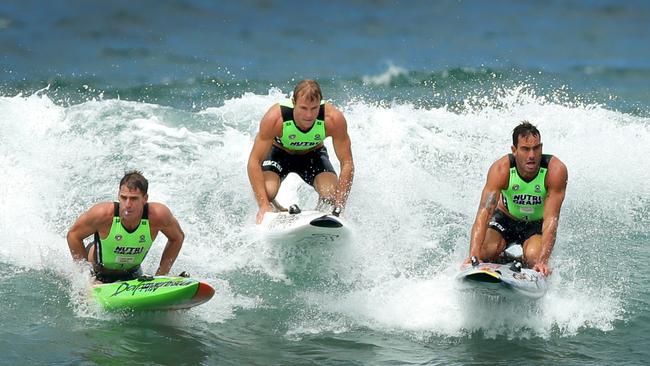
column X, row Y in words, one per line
column 533, row 249
column 325, row 184
column 271, row 184
column 493, row 245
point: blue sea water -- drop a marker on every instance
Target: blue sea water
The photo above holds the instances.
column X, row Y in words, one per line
column 431, row 91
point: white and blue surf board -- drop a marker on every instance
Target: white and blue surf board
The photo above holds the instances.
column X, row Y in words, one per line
column 304, row 227
column 502, row 279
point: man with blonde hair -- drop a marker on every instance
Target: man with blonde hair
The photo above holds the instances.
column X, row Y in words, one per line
column 290, row 139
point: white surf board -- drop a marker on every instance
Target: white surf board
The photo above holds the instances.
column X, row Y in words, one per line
column 304, row 227
column 502, row 279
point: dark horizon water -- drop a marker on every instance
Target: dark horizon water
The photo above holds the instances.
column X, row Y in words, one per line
column 431, row 91
column 177, row 50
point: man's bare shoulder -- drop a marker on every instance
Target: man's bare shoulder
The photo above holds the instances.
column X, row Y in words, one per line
column 501, row 165
column 335, row 122
column 332, row 113
column 271, row 124
column 98, row 215
column 556, row 164
column 102, row 209
column 557, row 175
column 158, row 212
column 273, row 114
column 499, row 173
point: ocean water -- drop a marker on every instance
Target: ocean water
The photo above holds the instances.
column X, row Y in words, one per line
column 431, row 92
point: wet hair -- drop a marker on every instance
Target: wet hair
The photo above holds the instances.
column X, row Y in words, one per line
column 309, row 89
column 135, row 180
column 524, row 129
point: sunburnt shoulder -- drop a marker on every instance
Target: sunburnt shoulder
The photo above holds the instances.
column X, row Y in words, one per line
column 499, row 173
column 335, row 123
column 557, row 174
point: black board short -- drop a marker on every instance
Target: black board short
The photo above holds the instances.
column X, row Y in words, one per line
column 307, row 166
column 100, row 275
column 131, row 274
column 514, row 231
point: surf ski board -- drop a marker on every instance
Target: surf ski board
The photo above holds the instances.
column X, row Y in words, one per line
column 152, row 293
column 305, row 226
column 502, row 279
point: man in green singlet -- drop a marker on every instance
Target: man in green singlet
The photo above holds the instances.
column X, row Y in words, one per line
column 124, row 232
column 520, row 202
column 290, row 139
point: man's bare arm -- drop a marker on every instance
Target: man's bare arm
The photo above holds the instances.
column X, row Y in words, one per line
column 170, row 227
column 497, row 179
column 86, row 225
column 343, row 149
column 557, row 177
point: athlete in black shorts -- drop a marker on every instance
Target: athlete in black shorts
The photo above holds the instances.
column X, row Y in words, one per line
column 307, row 166
column 291, row 139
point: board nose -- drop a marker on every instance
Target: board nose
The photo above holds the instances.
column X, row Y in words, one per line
column 205, row 291
column 325, row 221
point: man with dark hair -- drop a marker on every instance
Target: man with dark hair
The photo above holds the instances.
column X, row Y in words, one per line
column 124, row 232
column 520, row 202
column 290, row 139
